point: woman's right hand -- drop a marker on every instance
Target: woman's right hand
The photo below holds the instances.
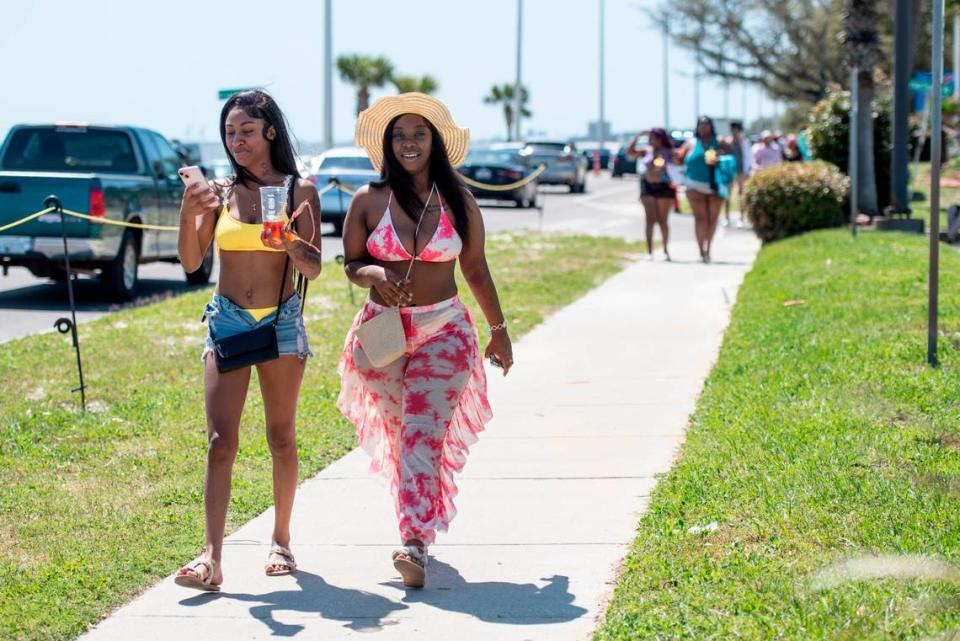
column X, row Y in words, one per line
column 392, row 287
column 198, row 200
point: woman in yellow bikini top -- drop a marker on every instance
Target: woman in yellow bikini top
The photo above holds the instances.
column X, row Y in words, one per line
column 250, row 282
column 231, row 235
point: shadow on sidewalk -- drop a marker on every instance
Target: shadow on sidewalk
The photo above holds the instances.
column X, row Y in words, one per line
column 361, row 611
column 496, row 601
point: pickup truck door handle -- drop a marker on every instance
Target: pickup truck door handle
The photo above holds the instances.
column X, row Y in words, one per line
column 10, row 187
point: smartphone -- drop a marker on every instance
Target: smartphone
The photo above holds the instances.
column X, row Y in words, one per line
column 495, row 362
column 191, row 176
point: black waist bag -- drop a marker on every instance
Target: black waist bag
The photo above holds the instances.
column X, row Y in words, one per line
column 247, row 348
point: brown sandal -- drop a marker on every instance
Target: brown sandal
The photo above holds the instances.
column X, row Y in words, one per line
column 189, row 576
column 287, row 564
column 411, row 562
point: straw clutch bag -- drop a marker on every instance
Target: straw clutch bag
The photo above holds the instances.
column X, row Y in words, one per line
column 382, row 337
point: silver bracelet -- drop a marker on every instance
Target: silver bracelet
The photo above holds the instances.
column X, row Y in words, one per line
column 495, row 328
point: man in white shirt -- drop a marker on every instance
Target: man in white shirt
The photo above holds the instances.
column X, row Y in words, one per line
column 740, row 147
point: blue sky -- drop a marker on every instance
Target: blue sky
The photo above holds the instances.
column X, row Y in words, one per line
column 160, row 64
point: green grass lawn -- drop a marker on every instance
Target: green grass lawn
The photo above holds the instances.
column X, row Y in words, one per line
column 821, row 437
column 95, row 507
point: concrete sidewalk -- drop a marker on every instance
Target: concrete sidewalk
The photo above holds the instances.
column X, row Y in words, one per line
column 549, row 500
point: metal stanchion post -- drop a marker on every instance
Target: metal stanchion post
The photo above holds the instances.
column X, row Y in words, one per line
column 854, row 151
column 65, row 325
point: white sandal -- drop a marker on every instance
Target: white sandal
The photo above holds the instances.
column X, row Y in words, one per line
column 411, row 562
column 194, row 580
column 287, row 563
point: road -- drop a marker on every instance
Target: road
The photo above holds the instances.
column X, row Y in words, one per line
column 30, row 305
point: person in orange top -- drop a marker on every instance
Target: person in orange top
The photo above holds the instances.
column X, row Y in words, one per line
column 254, row 277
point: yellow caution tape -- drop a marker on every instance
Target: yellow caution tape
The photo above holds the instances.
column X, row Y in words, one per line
column 26, row 219
column 515, row 185
column 93, row 219
column 119, row 223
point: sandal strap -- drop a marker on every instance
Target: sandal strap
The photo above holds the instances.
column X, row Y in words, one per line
column 416, row 554
column 209, row 564
column 284, row 553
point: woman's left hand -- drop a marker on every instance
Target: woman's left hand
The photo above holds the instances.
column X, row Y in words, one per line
column 500, row 348
column 288, row 236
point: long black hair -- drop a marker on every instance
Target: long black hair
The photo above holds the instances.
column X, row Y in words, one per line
column 393, row 175
column 260, row 104
column 709, row 121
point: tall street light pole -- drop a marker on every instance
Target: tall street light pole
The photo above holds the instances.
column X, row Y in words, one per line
column 518, row 83
column 601, row 134
column 666, row 75
column 328, row 75
column 696, row 88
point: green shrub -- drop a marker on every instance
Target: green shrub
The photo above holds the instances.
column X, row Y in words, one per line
column 793, row 197
column 828, row 133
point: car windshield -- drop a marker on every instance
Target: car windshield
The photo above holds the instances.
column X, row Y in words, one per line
column 498, row 156
column 70, row 149
column 346, row 162
column 547, row 148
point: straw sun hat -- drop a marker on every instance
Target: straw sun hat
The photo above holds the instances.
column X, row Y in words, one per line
column 373, row 121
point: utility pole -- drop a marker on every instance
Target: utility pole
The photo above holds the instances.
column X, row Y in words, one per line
column 601, row 134
column 328, row 75
column 696, row 88
column 666, row 76
column 518, row 85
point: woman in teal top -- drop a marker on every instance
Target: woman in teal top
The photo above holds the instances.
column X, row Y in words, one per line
column 710, row 169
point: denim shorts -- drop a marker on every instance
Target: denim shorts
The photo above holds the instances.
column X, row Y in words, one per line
column 226, row 318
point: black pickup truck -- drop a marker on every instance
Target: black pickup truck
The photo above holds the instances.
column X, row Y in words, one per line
column 111, row 172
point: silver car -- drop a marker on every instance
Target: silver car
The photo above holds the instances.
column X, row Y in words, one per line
column 565, row 164
column 346, row 166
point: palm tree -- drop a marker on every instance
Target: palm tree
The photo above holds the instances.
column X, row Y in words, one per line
column 424, row 84
column 505, row 94
column 861, row 42
column 364, row 72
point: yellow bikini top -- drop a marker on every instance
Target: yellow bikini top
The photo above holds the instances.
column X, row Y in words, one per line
column 234, row 236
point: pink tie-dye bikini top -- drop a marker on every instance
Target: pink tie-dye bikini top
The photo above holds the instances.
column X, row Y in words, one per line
column 384, row 242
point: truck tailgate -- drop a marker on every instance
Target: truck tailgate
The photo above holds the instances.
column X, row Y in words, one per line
column 23, row 193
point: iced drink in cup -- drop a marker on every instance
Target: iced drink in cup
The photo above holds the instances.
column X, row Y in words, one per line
column 273, row 204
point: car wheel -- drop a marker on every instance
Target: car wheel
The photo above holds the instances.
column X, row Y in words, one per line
column 202, row 275
column 338, row 227
column 121, row 275
column 532, row 201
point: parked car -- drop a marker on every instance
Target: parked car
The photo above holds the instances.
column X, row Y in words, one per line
column 680, row 136
column 108, row 172
column 622, row 164
column 607, row 153
column 501, row 164
column 565, row 164
column 352, row 168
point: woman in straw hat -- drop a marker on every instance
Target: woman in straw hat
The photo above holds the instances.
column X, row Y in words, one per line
column 418, row 414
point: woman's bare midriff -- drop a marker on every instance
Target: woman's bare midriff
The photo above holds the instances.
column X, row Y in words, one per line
column 430, row 282
column 250, row 278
